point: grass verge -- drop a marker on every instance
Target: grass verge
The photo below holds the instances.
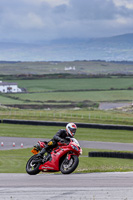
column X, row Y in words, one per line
column 87, row 115
column 14, row 161
column 13, row 130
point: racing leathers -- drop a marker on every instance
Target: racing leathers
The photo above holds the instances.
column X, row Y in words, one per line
column 60, row 136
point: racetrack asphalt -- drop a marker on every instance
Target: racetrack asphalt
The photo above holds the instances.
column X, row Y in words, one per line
column 30, row 142
column 93, row 186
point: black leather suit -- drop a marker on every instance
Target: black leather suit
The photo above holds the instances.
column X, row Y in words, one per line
column 59, row 136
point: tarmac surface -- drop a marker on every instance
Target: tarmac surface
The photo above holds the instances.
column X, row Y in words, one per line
column 111, row 105
column 93, row 186
column 30, row 142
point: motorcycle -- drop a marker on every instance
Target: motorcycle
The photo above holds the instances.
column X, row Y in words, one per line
column 62, row 158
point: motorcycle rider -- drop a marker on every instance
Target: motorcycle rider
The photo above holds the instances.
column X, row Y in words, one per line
column 58, row 137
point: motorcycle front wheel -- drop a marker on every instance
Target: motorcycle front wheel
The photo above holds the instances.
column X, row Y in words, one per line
column 32, row 168
column 68, row 166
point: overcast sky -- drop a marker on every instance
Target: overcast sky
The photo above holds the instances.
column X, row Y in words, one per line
column 33, row 20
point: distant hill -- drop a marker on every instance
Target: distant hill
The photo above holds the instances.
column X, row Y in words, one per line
column 117, row 48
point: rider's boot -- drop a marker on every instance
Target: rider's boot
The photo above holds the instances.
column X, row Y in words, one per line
column 48, row 156
column 41, row 153
column 42, row 156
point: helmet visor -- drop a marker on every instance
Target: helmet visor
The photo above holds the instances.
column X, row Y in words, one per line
column 73, row 130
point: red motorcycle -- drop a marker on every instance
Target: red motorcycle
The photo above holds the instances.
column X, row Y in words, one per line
column 63, row 158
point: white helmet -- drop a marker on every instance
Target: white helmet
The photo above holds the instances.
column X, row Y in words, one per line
column 71, row 129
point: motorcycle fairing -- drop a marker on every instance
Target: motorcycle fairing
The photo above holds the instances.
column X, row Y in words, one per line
column 53, row 164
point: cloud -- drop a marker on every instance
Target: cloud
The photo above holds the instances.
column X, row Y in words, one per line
column 125, row 3
column 92, row 10
column 31, row 20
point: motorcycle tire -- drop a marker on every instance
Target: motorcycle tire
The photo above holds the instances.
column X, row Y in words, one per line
column 32, row 168
column 68, row 167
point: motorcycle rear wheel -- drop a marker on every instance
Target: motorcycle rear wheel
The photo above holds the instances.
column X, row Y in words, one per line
column 31, row 167
column 68, row 166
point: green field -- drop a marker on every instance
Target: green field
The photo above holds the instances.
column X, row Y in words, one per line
column 96, row 96
column 72, row 92
column 4, row 99
column 15, row 162
column 58, row 91
column 42, row 85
